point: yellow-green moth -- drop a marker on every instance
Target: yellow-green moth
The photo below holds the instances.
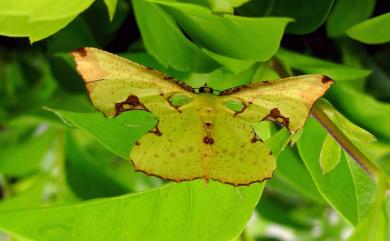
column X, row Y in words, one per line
column 199, row 134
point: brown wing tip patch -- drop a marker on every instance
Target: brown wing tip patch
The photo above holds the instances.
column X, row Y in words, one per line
column 325, row 79
column 82, row 52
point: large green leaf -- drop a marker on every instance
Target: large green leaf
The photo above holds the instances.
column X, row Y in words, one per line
column 308, row 15
column 310, row 65
column 117, row 134
column 38, row 19
column 337, row 187
column 347, row 13
column 186, row 211
column 291, row 170
column 83, row 173
column 365, row 187
column 372, row 31
column 166, row 43
column 373, row 226
column 363, row 109
column 229, row 35
column 217, row 6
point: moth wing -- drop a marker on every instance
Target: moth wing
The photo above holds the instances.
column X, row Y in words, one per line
column 287, row 101
column 116, row 84
column 239, row 158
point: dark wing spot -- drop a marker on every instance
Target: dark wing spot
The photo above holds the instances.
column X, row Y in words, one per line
column 168, row 77
column 132, row 103
column 208, row 140
column 277, row 117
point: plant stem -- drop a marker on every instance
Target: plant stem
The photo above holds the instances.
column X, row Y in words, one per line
column 344, row 142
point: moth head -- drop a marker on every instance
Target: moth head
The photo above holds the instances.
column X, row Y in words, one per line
column 206, row 89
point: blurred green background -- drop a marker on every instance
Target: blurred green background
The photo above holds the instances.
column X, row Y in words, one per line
column 57, row 153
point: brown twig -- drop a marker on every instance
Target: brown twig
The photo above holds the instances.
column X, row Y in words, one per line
column 344, row 142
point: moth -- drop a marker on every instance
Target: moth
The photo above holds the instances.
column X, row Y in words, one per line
column 199, row 134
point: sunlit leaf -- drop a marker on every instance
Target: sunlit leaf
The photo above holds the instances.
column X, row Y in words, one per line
column 193, row 211
column 372, row 31
column 330, row 154
column 258, row 38
column 357, row 11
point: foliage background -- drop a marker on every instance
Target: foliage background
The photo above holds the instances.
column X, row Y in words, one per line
column 52, row 173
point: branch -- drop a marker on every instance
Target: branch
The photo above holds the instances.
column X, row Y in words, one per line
column 344, row 142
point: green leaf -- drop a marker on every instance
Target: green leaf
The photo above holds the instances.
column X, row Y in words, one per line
column 374, row 226
column 64, row 41
column 31, row 196
column 365, row 186
column 166, row 43
column 107, row 32
column 83, row 173
column 229, row 35
column 310, row 65
column 330, row 154
column 372, row 31
column 117, row 134
column 111, row 7
column 362, row 109
column 218, row 6
column 308, row 15
column 347, row 13
column 26, row 157
column 291, row 170
column 354, row 132
column 38, row 19
column 185, row 211
column 337, row 187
